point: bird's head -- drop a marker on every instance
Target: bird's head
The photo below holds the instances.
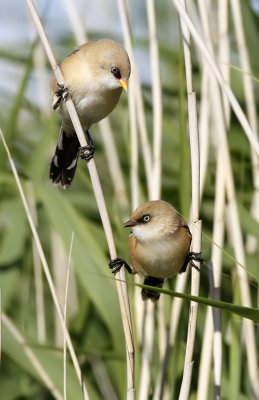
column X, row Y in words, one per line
column 113, row 64
column 153, row 220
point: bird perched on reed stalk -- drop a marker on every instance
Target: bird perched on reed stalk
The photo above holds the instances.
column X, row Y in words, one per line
column 159, row 245
column 95, row 74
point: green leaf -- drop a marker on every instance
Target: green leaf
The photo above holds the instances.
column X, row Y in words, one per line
column 245, row 312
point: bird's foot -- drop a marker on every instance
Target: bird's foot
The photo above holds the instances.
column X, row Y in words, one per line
column 87, row 152
column 117, row 263
column 62, row 94
column 192, row 256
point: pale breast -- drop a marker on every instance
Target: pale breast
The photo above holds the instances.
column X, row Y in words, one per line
column 161, row 259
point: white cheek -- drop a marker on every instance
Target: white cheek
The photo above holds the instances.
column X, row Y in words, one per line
column 108, row 81
column 143, row 233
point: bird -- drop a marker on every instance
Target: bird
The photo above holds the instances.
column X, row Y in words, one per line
column 94, row 74
column 159, row 245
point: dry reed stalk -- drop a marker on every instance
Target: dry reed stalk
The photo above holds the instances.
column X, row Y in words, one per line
column 224, row 50
column 117, row 179
column 234, row 226
column 233, row 209
column 252, row 242
column 217, row 339
column 104, row 125
column 120, row 285
column 222, row 146
column 59, row 257
column 65, row 317
column 157, row 107
column 156, row 100
column 146, row 360
column 42, row 82
column 226, row 89
column 38, row 282
column 206, row 358
column 216, row 258
column 136, row 88
column 212, row 337
column 196, row 223
column 137, row 123
column 13, row 331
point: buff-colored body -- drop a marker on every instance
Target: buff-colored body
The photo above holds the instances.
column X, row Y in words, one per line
column 94, row 75
column 159, row 247
column 90, row 83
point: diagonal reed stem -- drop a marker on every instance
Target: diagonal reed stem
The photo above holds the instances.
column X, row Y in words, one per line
column 121, row 286
column 196, row 223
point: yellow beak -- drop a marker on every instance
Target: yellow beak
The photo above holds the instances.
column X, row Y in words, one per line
column 124, row 84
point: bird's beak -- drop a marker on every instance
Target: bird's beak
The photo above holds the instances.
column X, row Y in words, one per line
column 124, row 84
column 129, row 223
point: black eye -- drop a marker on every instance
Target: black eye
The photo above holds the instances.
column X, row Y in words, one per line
column 116, row 72
column 145, row 218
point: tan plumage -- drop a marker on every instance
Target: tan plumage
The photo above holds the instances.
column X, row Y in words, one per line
column 159, row 244
column 94, row 74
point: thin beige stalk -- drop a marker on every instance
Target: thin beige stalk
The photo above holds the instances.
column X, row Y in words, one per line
column 217, row 336
column 43, row 374
column 219, row 122
column 155, row 190
column 215, row 79
column 65, row 317
column 113, row 164
column 212, row 337
column 156, row 100
column 58, row 257
column 216, row 258
column 104, row 125
column 120, row 283
column 223, row 49
column 46, row 269
column 137, row 124
column 235, row 228
column 204, row 127
column 196, row 224
column 136, row 87
column 226, row 89
column 206, row 358
column 252, row 242
column 146, row 361
column 38, row 282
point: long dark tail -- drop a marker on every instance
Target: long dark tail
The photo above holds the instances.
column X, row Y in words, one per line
column 64, row 161
column 151, row 294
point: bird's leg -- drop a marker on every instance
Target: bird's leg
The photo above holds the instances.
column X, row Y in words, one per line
column 117, row 263
column 192, row 256
column 61, row 93
column 87, row 152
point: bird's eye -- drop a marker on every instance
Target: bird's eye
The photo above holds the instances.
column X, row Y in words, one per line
column 146, row 218
column 116, row 72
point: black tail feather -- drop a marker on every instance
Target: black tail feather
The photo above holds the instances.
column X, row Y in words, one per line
column 151, row 294
column 64, row 161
